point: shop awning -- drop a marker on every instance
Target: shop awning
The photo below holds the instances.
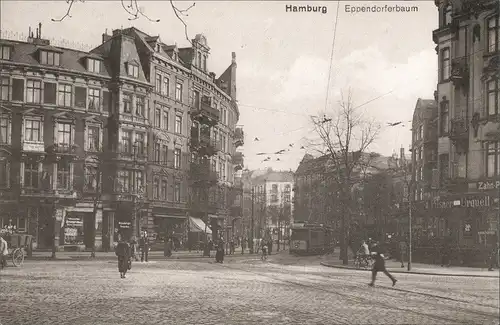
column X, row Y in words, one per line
column 168, row 216
column 197, row 225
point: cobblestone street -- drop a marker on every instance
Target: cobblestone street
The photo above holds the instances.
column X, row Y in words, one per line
column 242, row 291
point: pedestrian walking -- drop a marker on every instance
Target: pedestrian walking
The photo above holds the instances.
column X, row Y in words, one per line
column 493, row 257
column 379, row 265
column 270, row 246
column 445, row 253
column 4, row 251
column 144, row 244
column 123, row 253
column 168, row 248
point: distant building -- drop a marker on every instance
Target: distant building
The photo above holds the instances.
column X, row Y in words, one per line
column 270, row 193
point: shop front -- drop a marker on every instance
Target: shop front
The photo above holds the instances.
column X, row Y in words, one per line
column 199, row 232
column 171, row 227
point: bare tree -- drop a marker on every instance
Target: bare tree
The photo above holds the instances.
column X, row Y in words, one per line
column 135, row 12
column 345, row 137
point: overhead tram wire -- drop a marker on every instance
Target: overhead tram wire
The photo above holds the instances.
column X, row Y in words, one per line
column 331, row 54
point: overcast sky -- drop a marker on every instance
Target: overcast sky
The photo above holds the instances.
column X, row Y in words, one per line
column 283, row 59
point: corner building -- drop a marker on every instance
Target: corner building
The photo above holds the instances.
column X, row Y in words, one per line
column 98, row 142
column 464, row 207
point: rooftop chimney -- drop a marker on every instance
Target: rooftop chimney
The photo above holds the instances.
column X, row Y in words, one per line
column 402, row 153
column 37, row 34
column 40, row 30
column 234, row 57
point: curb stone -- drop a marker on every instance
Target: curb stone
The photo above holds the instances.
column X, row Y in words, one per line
column 413, row 272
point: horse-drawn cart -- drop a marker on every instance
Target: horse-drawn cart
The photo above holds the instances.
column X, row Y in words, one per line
column 18, row 246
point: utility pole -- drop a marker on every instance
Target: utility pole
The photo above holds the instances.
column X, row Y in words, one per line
column 497, row 257
column 252, row 224
column 410, row 192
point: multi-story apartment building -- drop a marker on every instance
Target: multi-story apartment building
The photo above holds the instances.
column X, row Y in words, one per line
column 268, row 195
column 468, row 102
column 99, row 142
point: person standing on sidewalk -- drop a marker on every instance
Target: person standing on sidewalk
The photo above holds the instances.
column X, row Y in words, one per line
column 243, row 244
column 379, row 265
column 144, row 243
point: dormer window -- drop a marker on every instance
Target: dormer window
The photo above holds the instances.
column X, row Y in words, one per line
column 133, row 70
column 5, row 52
column 50, row 58
column 93, row 65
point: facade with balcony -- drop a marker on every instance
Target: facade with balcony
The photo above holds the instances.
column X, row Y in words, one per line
column 467, row 39
column 98, row 143
column 213, row 114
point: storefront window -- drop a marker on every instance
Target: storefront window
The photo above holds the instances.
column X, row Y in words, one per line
column 14, row 224
column 73, row 230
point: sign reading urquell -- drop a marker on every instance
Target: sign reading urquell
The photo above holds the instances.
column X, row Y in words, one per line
column 476, row 202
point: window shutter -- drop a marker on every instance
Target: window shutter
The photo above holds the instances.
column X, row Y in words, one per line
column 18, row 89
column 81, row 97
column 106, row 100
column 49, row 93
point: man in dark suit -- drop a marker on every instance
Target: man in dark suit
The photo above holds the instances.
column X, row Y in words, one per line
column 144, row 243
column 379, row 265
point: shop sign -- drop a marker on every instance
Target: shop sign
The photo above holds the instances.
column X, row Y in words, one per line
column 475, row 202
column 488, row 185
column 74, row 222
column 124, row 224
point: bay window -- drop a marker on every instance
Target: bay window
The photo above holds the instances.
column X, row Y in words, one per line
column 64, row 95
column 33, row 91
column 493, row 97
column 492, row 159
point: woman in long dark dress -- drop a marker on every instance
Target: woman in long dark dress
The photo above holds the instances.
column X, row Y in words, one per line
column 123, row 253
column 168, row 248
column 379, row 265
column 219, row 255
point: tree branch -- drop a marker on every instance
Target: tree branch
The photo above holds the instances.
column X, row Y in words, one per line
column 178, row 13
column 68, row 12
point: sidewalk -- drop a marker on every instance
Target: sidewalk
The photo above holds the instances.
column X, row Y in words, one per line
column 416, row 268
column 153, row 255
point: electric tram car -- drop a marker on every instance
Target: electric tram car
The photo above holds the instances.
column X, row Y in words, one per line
column 311, row 239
